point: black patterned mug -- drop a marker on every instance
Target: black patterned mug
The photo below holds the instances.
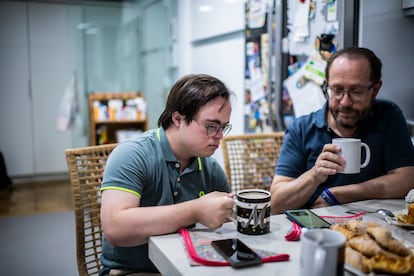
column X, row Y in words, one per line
column 253, row 211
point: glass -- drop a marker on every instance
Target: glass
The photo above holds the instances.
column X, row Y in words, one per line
column 214, row 128
column 356, row 95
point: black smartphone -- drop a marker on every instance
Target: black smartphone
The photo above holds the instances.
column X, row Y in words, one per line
column 306, row 218
column 237, row 253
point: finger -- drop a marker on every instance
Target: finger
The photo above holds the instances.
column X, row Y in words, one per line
column 331, row 148
column 229, row 196
column 321, row 164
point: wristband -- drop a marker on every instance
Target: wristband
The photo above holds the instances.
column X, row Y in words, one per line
column 327, row 199
column 331, row 196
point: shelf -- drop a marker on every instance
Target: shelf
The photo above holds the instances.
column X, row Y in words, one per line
column 108, row 122
column 114, row 116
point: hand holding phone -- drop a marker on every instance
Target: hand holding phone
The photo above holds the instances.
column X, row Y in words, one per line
column 236, row 252
column 306, row 218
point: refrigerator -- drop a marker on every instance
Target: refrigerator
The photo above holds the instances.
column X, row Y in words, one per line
column 287, row 43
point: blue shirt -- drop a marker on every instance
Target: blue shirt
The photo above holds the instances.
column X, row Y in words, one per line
column 147, row 167
column 385, row 131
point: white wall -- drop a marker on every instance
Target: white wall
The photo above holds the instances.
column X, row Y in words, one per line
column 15, row 104
column 34, row 70
column 213, row 43
column 385, row 30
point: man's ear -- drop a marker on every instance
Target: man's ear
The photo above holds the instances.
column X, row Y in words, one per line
column 377, row 88
column 177, row 118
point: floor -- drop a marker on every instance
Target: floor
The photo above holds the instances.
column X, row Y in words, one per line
column 37, row 230
column 36, row 198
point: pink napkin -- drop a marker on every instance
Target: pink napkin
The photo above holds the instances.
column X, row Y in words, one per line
column 294, row 232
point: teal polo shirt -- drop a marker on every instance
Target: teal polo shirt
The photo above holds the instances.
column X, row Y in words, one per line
column 147, row 167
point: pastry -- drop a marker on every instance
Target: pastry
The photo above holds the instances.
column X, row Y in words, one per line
column 384, row 238
column 398, row 265
column 365, row 245
column 372, row 248
column 357, row 260
column 410, row 214
column 357, row 227
column 341, row 228
column 402, row 217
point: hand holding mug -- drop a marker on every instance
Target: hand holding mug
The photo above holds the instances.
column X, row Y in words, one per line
column 351, row 153
column 329, row 162
column 213, row 209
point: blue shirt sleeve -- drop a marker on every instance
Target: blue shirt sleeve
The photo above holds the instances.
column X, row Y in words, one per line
column 292, row 161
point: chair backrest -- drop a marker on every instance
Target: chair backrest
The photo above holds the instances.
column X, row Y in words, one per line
column 250, row 159
column 86, row 166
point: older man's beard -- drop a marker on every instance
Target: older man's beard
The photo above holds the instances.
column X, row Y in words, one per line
column 349, row 123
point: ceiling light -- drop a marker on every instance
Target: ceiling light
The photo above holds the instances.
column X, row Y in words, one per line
column 205, row 8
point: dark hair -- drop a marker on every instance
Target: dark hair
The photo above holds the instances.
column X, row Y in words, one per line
column 189, row 94
column 358, row 53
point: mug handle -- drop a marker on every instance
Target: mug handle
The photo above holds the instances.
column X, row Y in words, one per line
column 320, row 256
column 367, row 155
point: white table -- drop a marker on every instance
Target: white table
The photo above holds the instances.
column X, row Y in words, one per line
column 168, row 254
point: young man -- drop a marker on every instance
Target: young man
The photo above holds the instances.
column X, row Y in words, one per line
column 307, row 174
column 165, row 180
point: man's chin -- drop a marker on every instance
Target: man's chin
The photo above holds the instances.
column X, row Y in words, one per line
column 209, row 152
column 347, row 120
column 350, row 124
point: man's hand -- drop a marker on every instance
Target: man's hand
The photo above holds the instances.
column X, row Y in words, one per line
column 213, row 209
column 329, row 162
column 319, row 203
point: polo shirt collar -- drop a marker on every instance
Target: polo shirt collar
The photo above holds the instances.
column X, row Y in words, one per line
column 168, row 152
column 320, row 117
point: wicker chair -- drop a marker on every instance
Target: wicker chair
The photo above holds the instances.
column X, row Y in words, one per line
column 86, row 166
column 250, row 159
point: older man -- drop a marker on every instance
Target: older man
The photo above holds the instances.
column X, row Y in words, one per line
column 308, row 170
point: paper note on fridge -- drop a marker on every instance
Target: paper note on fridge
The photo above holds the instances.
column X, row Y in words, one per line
column 304, row 88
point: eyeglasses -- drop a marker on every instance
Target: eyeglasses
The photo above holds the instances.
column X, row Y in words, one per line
column 214, row 128
column 356, row 95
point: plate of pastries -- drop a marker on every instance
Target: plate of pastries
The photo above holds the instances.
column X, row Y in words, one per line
column 371, row 249
column 403, row 218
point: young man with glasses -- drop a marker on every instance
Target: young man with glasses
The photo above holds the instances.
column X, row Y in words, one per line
column 165, row 179
column 307, row 174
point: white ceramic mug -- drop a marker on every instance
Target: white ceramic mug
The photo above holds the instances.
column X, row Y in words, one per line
column 351, row 152
column 322, row 253
column 253, row 211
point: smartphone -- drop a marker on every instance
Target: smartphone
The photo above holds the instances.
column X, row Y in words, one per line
column 237, row 253
column 306, row 218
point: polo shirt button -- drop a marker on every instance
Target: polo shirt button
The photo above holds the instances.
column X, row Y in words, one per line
column 175, row 193
column 177, row 165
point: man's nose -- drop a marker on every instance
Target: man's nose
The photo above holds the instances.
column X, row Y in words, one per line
column 346, row 99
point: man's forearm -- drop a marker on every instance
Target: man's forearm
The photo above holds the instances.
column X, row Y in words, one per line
column 290, row 193
column 395, row 184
